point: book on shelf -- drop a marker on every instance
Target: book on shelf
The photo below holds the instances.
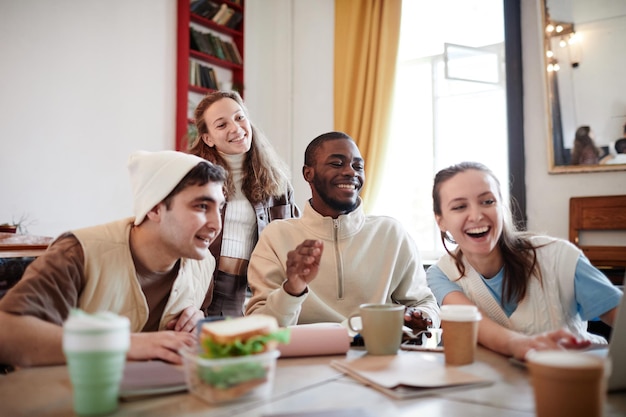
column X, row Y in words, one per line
column 198, row 6
column 213, row 79
column 193, row 43
column 217, row 46
column 193, row 73
column 208, row 44
column 220, row 13
column 236, row 53
column 225, row 48
column 226, row 16
column 230, row 48
column 204, row 77
column 201, row 41
column 234, row 20
column 205, row 8
column 409, row 374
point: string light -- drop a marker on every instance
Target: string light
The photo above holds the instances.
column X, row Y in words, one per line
column 553, row 65
column 566, row 38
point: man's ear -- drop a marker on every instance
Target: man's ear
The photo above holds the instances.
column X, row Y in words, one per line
column 308, row 173
column 155, row 213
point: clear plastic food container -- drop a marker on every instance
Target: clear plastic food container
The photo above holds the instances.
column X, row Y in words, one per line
column 227, row 379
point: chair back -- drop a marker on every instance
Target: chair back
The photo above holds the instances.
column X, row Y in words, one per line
column 600, row 213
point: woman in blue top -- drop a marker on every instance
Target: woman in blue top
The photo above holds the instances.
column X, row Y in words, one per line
column 535, row 292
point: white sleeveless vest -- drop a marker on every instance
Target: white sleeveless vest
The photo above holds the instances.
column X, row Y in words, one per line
column 548, row 305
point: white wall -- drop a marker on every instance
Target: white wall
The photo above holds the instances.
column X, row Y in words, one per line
column 289, row 75
column 85, row 83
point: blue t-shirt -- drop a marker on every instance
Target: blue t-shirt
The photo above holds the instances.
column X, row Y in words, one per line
column 594, row 293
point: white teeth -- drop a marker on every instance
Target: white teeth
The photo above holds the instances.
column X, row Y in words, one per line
column 347, row 186
column 477, row 230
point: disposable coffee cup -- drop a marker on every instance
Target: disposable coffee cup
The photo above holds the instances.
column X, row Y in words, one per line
column 95, row 348
column 567, row 383
column 459, row 324
column 381, row 327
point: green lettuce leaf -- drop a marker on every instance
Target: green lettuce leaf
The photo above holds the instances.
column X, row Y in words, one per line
column 255, row 344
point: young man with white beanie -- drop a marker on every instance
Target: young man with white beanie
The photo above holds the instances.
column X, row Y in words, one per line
column 154, row 268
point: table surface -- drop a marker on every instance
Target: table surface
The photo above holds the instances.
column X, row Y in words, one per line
column 301, row 385
column 13, row 245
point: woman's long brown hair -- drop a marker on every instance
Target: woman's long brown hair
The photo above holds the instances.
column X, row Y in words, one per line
column 518, row 252
column 265, row 174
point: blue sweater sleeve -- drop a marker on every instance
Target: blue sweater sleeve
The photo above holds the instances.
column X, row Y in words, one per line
column 595, row 294
column 439, row 283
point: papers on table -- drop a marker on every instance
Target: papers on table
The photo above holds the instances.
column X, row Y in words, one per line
column 408, row 374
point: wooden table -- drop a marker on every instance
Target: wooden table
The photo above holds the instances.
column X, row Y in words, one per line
column 14, row 245
column 16, row 252
column 306, row 384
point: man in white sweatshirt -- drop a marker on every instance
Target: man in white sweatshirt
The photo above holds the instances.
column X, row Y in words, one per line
column 322, row 266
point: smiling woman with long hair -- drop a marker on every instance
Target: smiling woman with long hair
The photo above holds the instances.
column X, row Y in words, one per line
column 258, row 191
column 535, row 292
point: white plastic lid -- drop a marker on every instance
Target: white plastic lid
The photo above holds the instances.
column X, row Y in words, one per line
column 102, row 331
column 79, row 320
column 457, row 312
column 565, row 359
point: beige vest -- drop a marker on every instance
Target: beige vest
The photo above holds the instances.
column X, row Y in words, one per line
column 112, row 283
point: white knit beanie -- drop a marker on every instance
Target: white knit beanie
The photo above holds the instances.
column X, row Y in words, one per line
column 153, row 175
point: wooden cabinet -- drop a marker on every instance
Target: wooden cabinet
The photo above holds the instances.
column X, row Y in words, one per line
column 221, row 57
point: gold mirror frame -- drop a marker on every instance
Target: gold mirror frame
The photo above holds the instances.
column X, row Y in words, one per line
column 551, row 103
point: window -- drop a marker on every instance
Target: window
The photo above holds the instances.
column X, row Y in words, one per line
column 450, row 106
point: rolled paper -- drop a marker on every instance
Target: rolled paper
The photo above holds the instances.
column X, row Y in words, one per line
column 316, row 339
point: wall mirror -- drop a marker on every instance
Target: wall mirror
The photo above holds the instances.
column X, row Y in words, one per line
column 584, row 67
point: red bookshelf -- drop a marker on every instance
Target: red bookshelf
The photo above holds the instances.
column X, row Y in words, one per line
column 229, row 71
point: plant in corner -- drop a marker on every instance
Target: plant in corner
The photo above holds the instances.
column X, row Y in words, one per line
column 18, row 226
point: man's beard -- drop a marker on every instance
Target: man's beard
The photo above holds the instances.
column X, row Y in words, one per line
column 340, row 206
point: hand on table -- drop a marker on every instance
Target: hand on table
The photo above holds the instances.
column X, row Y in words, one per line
column 554, row 340
column 186, row 321
column 416, row 320
column 162, row 345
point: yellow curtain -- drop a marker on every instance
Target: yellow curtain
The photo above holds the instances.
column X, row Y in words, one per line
column 367, row 33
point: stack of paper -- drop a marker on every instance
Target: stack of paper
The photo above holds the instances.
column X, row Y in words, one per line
column 408, row 374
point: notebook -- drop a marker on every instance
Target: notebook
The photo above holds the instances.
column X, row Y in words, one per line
column 142, row 379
